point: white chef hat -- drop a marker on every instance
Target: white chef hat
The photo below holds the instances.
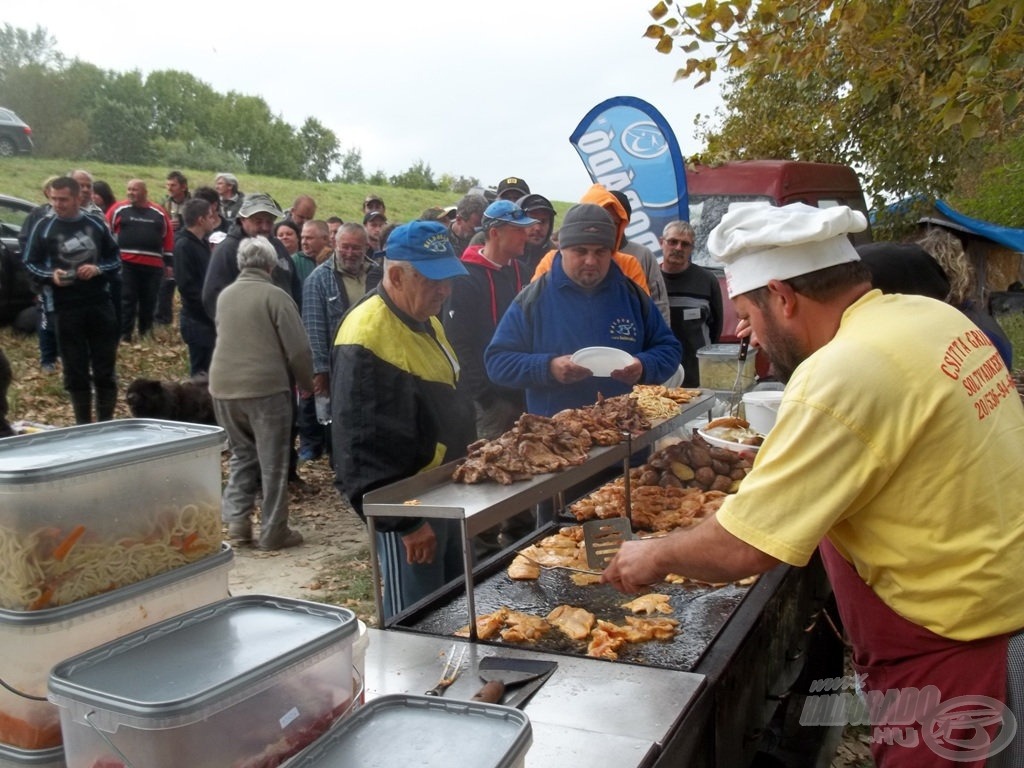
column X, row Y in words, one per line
column 758, row 242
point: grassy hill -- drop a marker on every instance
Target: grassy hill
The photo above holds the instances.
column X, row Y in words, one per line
column 24, row 177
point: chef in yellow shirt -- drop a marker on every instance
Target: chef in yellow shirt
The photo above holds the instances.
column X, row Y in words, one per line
column 897, row 453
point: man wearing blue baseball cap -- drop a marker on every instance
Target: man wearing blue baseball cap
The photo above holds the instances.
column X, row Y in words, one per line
column 496, row 276
column 395, row 411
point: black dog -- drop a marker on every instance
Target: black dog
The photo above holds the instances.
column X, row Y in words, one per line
column 174, row 401
column 6, row 376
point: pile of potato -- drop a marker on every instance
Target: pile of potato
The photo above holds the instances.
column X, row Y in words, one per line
column 693, row 464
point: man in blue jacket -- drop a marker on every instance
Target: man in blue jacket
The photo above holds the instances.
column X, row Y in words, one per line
column 584, row 301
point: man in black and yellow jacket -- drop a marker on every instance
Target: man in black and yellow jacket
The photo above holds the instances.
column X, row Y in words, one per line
column 395, row 411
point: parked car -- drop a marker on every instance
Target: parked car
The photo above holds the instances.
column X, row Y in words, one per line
column 16, row 292
column 15, row 135
column 13, row 212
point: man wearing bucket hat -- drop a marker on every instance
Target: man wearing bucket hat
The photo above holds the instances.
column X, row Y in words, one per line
column 256, row 218
column 897, row 454
column 585, row 300
column 394, row 405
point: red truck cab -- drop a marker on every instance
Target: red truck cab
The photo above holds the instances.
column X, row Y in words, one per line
column 713, row 189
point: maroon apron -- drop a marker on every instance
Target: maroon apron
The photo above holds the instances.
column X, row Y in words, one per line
column 897, row 655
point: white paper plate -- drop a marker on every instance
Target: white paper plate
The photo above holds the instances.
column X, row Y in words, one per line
column 718, row 442
column 601, row 361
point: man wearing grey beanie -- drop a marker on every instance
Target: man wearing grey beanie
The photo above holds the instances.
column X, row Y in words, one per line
column 584, row 302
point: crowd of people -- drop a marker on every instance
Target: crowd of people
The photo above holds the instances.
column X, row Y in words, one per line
column 413, row 340
column 107, row 271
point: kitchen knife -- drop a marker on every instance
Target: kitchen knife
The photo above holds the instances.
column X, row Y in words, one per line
column 734, row 398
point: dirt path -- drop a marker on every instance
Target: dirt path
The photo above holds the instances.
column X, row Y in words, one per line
column 334, row 536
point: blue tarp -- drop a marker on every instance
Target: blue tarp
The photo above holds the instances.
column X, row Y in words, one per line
column 1007, row 236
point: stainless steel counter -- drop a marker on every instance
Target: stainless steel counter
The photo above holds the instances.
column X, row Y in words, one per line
column 590, row 712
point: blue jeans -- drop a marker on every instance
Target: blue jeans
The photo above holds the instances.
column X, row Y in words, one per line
column 200, row 339
column 47, row 338
column 312, row 440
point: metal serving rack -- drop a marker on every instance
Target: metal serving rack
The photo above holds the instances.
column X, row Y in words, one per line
column 480, row 506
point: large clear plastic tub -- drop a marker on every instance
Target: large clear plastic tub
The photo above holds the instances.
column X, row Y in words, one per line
column 96, row 507
column 247, row 681
column 37, row 640
column 423, row 731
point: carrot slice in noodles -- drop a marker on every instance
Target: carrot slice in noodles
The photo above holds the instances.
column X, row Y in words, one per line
column 65, row 546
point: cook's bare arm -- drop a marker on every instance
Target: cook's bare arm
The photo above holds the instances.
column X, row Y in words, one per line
column 706, row 552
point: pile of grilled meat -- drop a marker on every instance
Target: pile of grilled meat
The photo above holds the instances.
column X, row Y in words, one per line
column 537, row 444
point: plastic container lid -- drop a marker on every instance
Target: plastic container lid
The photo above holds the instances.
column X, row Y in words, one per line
column 73, row 451
column 730, row 351
column 52, row 757
column 188, row 667
column 422, row 731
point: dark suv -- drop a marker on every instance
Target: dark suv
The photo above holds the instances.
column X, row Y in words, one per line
column 15, row 135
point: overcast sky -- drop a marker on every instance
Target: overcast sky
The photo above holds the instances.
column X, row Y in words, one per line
column 473, row 88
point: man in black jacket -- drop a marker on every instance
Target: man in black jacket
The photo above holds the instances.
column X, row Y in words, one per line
column 256, row 217
column 191, row 260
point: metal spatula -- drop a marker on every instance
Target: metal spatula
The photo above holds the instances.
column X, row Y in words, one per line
column 603, row 539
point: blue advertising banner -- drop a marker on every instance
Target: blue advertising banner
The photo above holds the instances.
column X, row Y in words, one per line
column 627, row 145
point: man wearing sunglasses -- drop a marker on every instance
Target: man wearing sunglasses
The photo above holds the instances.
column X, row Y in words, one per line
column 694, row 298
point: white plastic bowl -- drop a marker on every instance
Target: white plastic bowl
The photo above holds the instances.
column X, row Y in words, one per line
column 761, row 408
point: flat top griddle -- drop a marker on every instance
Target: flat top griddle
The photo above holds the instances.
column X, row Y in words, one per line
column 701, row 611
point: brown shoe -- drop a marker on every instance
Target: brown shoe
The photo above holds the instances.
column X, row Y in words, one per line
column 240, row 533
column 291, row 539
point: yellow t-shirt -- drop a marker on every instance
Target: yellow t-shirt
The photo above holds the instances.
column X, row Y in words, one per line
column 902, row 440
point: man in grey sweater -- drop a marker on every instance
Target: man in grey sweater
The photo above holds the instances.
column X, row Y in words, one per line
column 261, row 350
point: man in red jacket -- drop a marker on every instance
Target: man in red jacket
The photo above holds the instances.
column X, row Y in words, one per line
column 144, row 233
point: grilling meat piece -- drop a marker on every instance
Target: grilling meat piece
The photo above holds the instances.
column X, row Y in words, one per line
column 642, row 630
column 606, row 641
column 649, row 604
column 575, row 623
column 487, row 626
column 524, row 628
column 523, row 569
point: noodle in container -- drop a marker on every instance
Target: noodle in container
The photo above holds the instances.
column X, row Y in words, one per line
column 93, row 508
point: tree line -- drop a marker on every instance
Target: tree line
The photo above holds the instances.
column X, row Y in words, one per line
column 925, row 98
column 169, row 117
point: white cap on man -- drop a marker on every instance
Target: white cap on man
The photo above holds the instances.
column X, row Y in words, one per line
column 759, row 242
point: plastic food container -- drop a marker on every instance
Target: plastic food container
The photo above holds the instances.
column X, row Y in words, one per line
column 96, row 507
column 423, row 731
column 247, row 681
column 760, row 408
column 11, row 757
column 46, row 637
column 362, row 642
column 718, row 363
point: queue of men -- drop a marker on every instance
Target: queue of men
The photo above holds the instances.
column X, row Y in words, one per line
column 191, row 243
